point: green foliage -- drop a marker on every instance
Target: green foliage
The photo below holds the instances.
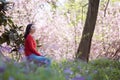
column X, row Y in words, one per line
column 115, row 0
column 102, row 63
column 102, row 69
column 105, row 69
column 77, row 10
column 104, row 2
column 12, row 33
column 21, row 71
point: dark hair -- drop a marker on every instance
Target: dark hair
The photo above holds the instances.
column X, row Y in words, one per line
column 27, row 31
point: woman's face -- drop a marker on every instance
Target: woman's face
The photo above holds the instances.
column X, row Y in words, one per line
column 32, row 29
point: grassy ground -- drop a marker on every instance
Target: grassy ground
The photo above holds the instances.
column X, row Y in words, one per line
column 102, row 69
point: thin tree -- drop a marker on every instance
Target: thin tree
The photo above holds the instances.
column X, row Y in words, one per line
column 85, row 43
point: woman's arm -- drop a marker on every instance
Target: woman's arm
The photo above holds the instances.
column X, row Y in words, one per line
column 31, row 46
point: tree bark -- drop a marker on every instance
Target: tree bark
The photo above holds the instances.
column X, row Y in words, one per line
column 85, row 43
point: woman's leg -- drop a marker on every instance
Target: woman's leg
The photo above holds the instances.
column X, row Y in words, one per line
column 41, row 59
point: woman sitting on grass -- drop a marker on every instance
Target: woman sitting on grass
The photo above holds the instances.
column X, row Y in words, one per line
column 30, row 46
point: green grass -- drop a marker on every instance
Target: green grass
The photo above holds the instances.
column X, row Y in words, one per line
column 101, row 69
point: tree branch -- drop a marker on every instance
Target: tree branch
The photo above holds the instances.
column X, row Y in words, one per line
column 82, row 9
column 106, row 8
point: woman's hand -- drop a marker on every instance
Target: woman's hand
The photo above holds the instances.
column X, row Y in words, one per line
column 39, row 45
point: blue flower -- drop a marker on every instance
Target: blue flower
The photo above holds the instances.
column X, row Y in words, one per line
column 5, row 49
column 78, row 78
column 2, row 66
column 68, row 71
column 21, row 49
column 11, row 78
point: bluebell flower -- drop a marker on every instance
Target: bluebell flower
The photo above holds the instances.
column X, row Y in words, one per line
column 68, row 71
column 95, row 71
column 21, row 49
column 79, row 67
column 5, row 49
column 8, row 49
column 11, row 78
column 78, row 78
column 2, row 67
column 67, row 77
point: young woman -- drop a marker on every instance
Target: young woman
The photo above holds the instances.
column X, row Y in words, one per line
column 30, row 46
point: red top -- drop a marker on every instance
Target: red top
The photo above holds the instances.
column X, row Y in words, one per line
column 30, row 46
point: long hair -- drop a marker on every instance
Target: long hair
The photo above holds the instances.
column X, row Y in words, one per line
column 27, row 31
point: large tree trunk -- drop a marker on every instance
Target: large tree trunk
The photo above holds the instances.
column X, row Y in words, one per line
column 85, row 44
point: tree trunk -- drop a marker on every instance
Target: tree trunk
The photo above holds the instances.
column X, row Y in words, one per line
column 85, row 44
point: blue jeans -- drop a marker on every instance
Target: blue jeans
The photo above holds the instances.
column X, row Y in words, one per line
column 41, row 59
